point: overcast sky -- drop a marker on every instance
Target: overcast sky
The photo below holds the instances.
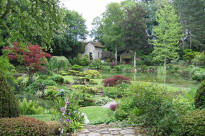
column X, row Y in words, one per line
column 89, row 9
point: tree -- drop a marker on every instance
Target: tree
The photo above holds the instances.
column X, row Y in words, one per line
column 192, row 16
column 134, row 31
column 35, row 21
column 33, row 58
column 167, row 33
column 112, row 32
column 68, row 40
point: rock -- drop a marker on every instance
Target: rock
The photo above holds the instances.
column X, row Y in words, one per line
column 127, row 131
column 114, row 129
column 93, row 134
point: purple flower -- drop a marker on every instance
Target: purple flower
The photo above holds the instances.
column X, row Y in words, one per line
column 113, row 107
column 67, row 103
column 69, row 114
column 67, row 120
column 63, row 109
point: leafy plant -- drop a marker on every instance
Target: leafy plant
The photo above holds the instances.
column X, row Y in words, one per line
column 76, row 67
column 59, row 63
column 92, row 74
column 199, row 100
column 23, row 126
column 96, row 64
column 27, row 107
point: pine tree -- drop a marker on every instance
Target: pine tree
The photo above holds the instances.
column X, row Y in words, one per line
column 167, row 33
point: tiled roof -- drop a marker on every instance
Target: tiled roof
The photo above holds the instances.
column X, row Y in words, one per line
column 97, row 44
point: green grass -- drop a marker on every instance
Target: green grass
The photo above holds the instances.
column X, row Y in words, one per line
column 98, row 115
column 42, row 117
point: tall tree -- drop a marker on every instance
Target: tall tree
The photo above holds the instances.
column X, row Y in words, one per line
column 192, row 16
column 34, row 21
column 112, row 32
column 134, row 30
column 167, row 33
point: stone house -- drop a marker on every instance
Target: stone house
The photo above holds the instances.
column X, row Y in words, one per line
column 93, row 50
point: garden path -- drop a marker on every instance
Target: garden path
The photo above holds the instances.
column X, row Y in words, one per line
column 108, row 130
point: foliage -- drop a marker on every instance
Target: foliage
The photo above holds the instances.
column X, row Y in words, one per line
column 100, row 101
column 152, row 106
column 33, row 57
column 117, row 79
column 116, row 92
column 192, row 124
column 58, row 79
column 199, row 100
column 23, row 126
column 198, row 73
column 199, row 59
column 96, row 64
column 76, row 67
column 83, row 60
column 75, row 72
column 40, row 84
column 6, row 68
column 29, row 107
column 59, row 62
column 53, row 128
column 92, row 74
column 34, row 21
column 189, row 55
column 8, row 102
column 168, row 33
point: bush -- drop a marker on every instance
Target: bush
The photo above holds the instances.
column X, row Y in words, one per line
column 96, row 64
column 22, row 126
column 53, row 128
column 8, row 102
column 198, row 74
column 29, row 107
column 116, row 92
column 189, row 55
column 192, row 124
column 115, row 80
column 59, row 62
column 199, row 59
column 199, row 99
column 40, row 84
column 106, row 68
column 58, row 79
column 76, row 67
column 83, row 60
column 92, row 74
column 100, row 101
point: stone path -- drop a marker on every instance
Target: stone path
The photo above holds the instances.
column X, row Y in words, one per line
column 106, row 130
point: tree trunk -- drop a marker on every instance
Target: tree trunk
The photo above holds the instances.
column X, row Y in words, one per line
column 165, row 68
column 115, row 55
column 135, row 70
column 190, row 44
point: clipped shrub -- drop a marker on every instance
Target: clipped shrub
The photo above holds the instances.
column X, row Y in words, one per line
column 115, row 80
column 100, row 101
column 59, row 62
column 92, row 74
column 22, row 126
column 199, row 99
column 28, row 107
column 75, row 73
column 83, row 60
column 192, row 124
column 76, row 67
column 8, row 102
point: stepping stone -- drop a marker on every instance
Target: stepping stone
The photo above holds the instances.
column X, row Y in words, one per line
column 86, row 131
column 93, row 134
column 127, row 131
column 114, row 132
column 107, row 135
column 115, row 129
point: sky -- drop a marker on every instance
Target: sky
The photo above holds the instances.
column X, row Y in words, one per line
column 89, row 9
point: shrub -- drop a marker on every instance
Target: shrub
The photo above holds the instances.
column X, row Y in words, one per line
column 58, row 79
column 75, row 73
column 100, row 101
column 22, row 126
column 113, row 107
column 53, row 128
column 189, row 55
column 76, row 67
column 106, row 68
column 117, row 79
column 199, row 99
column 8, row 102
column 29, row 107
column 92, row 74
column 83, row 60
column 198, row 74
column 40, row 84
column 116, row 92
column 96, row 64
column 199, row 59
column 192, row 124
column 59, row 62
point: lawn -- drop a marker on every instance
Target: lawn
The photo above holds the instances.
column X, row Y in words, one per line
column 42, row 117
column 98, row 115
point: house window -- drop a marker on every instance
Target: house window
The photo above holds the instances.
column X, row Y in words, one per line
column 91, row 55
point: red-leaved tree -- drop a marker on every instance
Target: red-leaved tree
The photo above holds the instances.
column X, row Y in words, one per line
column 115, row 80
column 33, row 57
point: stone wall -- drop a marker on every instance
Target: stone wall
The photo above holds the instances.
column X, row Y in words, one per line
column 96, row 52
